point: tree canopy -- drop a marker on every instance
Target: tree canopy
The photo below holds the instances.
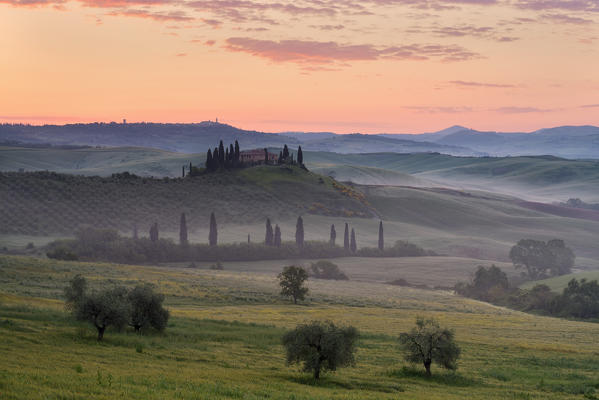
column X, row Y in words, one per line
column 542, row 259
column 321, row 346
column 428, row 342
column 292, row 281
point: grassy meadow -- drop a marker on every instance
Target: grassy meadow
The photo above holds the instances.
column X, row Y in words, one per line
column 223, row 341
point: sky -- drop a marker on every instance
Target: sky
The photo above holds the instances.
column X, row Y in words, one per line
column 370, row 66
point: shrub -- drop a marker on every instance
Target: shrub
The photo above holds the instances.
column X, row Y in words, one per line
column 327, row 270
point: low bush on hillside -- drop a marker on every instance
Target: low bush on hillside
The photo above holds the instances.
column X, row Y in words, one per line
column 327, row 270
column 580, row 299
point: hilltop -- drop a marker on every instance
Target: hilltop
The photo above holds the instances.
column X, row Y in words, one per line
column 43, row 203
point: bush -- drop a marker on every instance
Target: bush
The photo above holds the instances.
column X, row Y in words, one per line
column 62, row 253
column 327, row 270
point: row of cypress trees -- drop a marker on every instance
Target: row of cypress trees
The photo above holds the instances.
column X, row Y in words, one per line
column 272, row 236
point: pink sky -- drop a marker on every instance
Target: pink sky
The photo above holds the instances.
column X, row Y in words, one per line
column 314, row 65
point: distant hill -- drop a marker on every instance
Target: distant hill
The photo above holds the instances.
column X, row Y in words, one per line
column 565, row 141
column 198, row 138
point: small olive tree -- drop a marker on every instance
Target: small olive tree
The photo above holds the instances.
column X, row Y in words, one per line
column 292, row 281
column 321, row 346
column 428, row 342
column 105, row 308
column 146, row 309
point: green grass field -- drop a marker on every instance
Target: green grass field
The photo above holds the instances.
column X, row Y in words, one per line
column 558, row 283
column 223, row 341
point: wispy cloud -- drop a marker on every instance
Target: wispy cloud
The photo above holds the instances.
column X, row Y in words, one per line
column 315, row 52
column 156, row 16
column 483, row 84
column 521, row 110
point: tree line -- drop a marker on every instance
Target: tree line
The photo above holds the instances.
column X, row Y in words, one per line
column 91, row 244
column 229, row 157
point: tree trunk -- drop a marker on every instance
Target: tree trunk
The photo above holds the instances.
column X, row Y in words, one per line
column 101, row 330
column 427, row 366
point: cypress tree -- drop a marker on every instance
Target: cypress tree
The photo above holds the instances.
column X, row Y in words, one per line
column 183, row 230
column 280, row 160
column 221, row 154
column 236, row 158
column 265, row 156
column 333, row 235
column 300, row 156
column 190, row 166
column 353, row 246
column 346, row 238
column 231, row 153
column 299, row 232
column 277, row 236
column 209, row 160
column 285, row 152
column 215, row 159
column 227, row 157
column 183, row 171
column 381, row 238
column 213, row 236
column 269, row 238
column 154, row 232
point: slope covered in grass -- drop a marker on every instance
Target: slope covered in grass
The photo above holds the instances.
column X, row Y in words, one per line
column 224, row 341
column 47, row 203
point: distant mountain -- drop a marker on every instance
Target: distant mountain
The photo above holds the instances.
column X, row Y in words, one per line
column 198, row 138
column 567, row 141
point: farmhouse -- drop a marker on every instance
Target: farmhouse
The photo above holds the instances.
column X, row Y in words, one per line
column 257, row 156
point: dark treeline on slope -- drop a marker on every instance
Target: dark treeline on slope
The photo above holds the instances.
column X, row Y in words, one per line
column 230, row 157
column 580, row 299
column 92, row 244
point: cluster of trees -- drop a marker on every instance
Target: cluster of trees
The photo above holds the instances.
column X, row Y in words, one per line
column 323, row 346
column 287, row 158
column 580, row 299
column 223, row 157
column 117, row 307
column 91, row 244
column 324, row 269
column 542, row 259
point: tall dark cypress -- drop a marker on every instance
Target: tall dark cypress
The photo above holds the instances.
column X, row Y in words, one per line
column 277, row 236
column 231, row 153
column 236, row 158
column 154, row 232
column 381, row 237
column 190, row 167
column 353, row 246
column 213, row 236
column 285, row 152
column 269, row 237
column 215, row 159
column 227, row 157
column 183, row 230
column 299, row 232
column 333, row 235
column 209, row 160
column 346, row 237
column 183, row 171
column 221, row 154
column 280, row 161
column 265, row 155
column 300, row 156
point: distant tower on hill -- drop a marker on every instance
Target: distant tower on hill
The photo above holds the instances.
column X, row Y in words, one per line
column 217, row 120
column 124, row 121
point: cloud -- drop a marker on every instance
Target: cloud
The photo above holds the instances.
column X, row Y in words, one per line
column 314, row 52
column 156, row 16
column 439, row 109
column 122, row 3
column 484, row 32
column 32, row 3
column 328, row 27
column 566, row 19
column 481, row 84
column 520, row 110
column 590, row 106
column 569, row 5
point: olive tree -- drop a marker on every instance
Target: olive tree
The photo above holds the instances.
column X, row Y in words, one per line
column 428, row 342
column 321, row 346
column 105, row 308
column 292, row 281
column 146, row 308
